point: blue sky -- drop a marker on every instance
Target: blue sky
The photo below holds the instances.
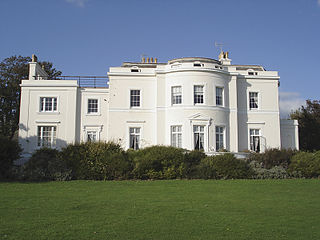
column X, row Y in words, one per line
column 86, row 37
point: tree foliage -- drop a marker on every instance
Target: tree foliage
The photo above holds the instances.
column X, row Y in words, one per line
column 309, row 125
column 12, row 71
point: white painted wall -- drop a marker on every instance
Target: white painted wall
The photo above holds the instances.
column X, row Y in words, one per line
column 156, row 114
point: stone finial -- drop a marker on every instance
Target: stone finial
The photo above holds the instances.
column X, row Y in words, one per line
column 147, row 60
column 34, row 58
column 155, row 60
column 226, row 55
column 143, row 59
column 151, row 60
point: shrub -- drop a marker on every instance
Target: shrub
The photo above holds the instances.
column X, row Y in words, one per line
column 45, row 165
column 273, row 157
column 305, row 164
column 277, row 172
column 9, row 152
column 97, row 161
column 158, row 162
column 225, row 166
column 191, row 161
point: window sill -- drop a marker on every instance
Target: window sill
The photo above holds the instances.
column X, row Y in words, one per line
column 48, row 113
column 93, row 114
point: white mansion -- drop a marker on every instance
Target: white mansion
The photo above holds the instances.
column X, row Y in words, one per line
column 191, row 103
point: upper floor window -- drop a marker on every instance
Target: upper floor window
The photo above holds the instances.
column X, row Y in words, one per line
column 134, row 138
column 134, row 98
column 176, row 136
column 48, row 104
column 92, row 106
column 46, row 136
column 255, row 140
column 198, row 94
column 198, row 134
column 253, row 100
column 219, row 96
column 176, row 95
column 219, row 138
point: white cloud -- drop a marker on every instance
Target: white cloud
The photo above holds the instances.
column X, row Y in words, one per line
column 79, row 3
column 290, row 101
column 319, row 2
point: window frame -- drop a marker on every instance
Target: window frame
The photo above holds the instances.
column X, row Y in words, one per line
column 52, row 136
column 42, row 104
column 222, row 96
column 130, row 97
column 194, row 94
column 218, row 138
column 251, row 140
column 176, row 136
column 93, row 133
column 173, row 96
column 258, row 102
column 203, row 138
column 137, row 143
column 98, row 106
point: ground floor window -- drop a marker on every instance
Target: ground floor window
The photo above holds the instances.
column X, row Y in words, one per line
column 176, row 136
column 92, row 136
column 46, row 136
column 134, row 138
column 198, row 133
column 219, row 138
column 255, row 140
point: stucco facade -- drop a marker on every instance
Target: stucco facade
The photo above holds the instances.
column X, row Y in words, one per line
column 193, row 103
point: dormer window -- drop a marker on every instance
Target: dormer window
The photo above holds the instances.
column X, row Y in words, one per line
column 135, row 69
column 198, row 64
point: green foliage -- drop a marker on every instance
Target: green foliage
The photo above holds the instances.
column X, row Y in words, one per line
column 191, row 161
column 273, row 157
column 225, row 166
column 276, row 172
column 309, row 125
column 9, row 152
column 305, row 164
column 97, row 161
column 12, row 71
column 158, row 162
column 45, row 165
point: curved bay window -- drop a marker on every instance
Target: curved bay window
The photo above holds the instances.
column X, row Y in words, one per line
column 198, row 133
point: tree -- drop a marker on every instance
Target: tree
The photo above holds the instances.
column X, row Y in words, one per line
column 12, row 71
column 309, row 125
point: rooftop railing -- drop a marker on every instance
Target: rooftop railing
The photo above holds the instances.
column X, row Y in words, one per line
column 83, row 81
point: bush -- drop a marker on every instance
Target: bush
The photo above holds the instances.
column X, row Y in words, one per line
column 277, row 172
column 45, row 165
column 9, row 152
column 225, row 166
column 97, row 161
column 305, row 164
column 191, row 161
column 158, row 162
column 273, row 157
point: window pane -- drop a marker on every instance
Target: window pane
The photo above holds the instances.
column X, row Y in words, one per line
column 219, row 99
column 134, row 138
column 134, row 98
column 253, row 100
column 198, row 94
column 92, row 105
column 176, row 95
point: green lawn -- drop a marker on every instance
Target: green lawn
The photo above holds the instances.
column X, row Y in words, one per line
column 178, row 209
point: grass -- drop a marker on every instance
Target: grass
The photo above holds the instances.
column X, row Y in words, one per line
column 178, row 209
